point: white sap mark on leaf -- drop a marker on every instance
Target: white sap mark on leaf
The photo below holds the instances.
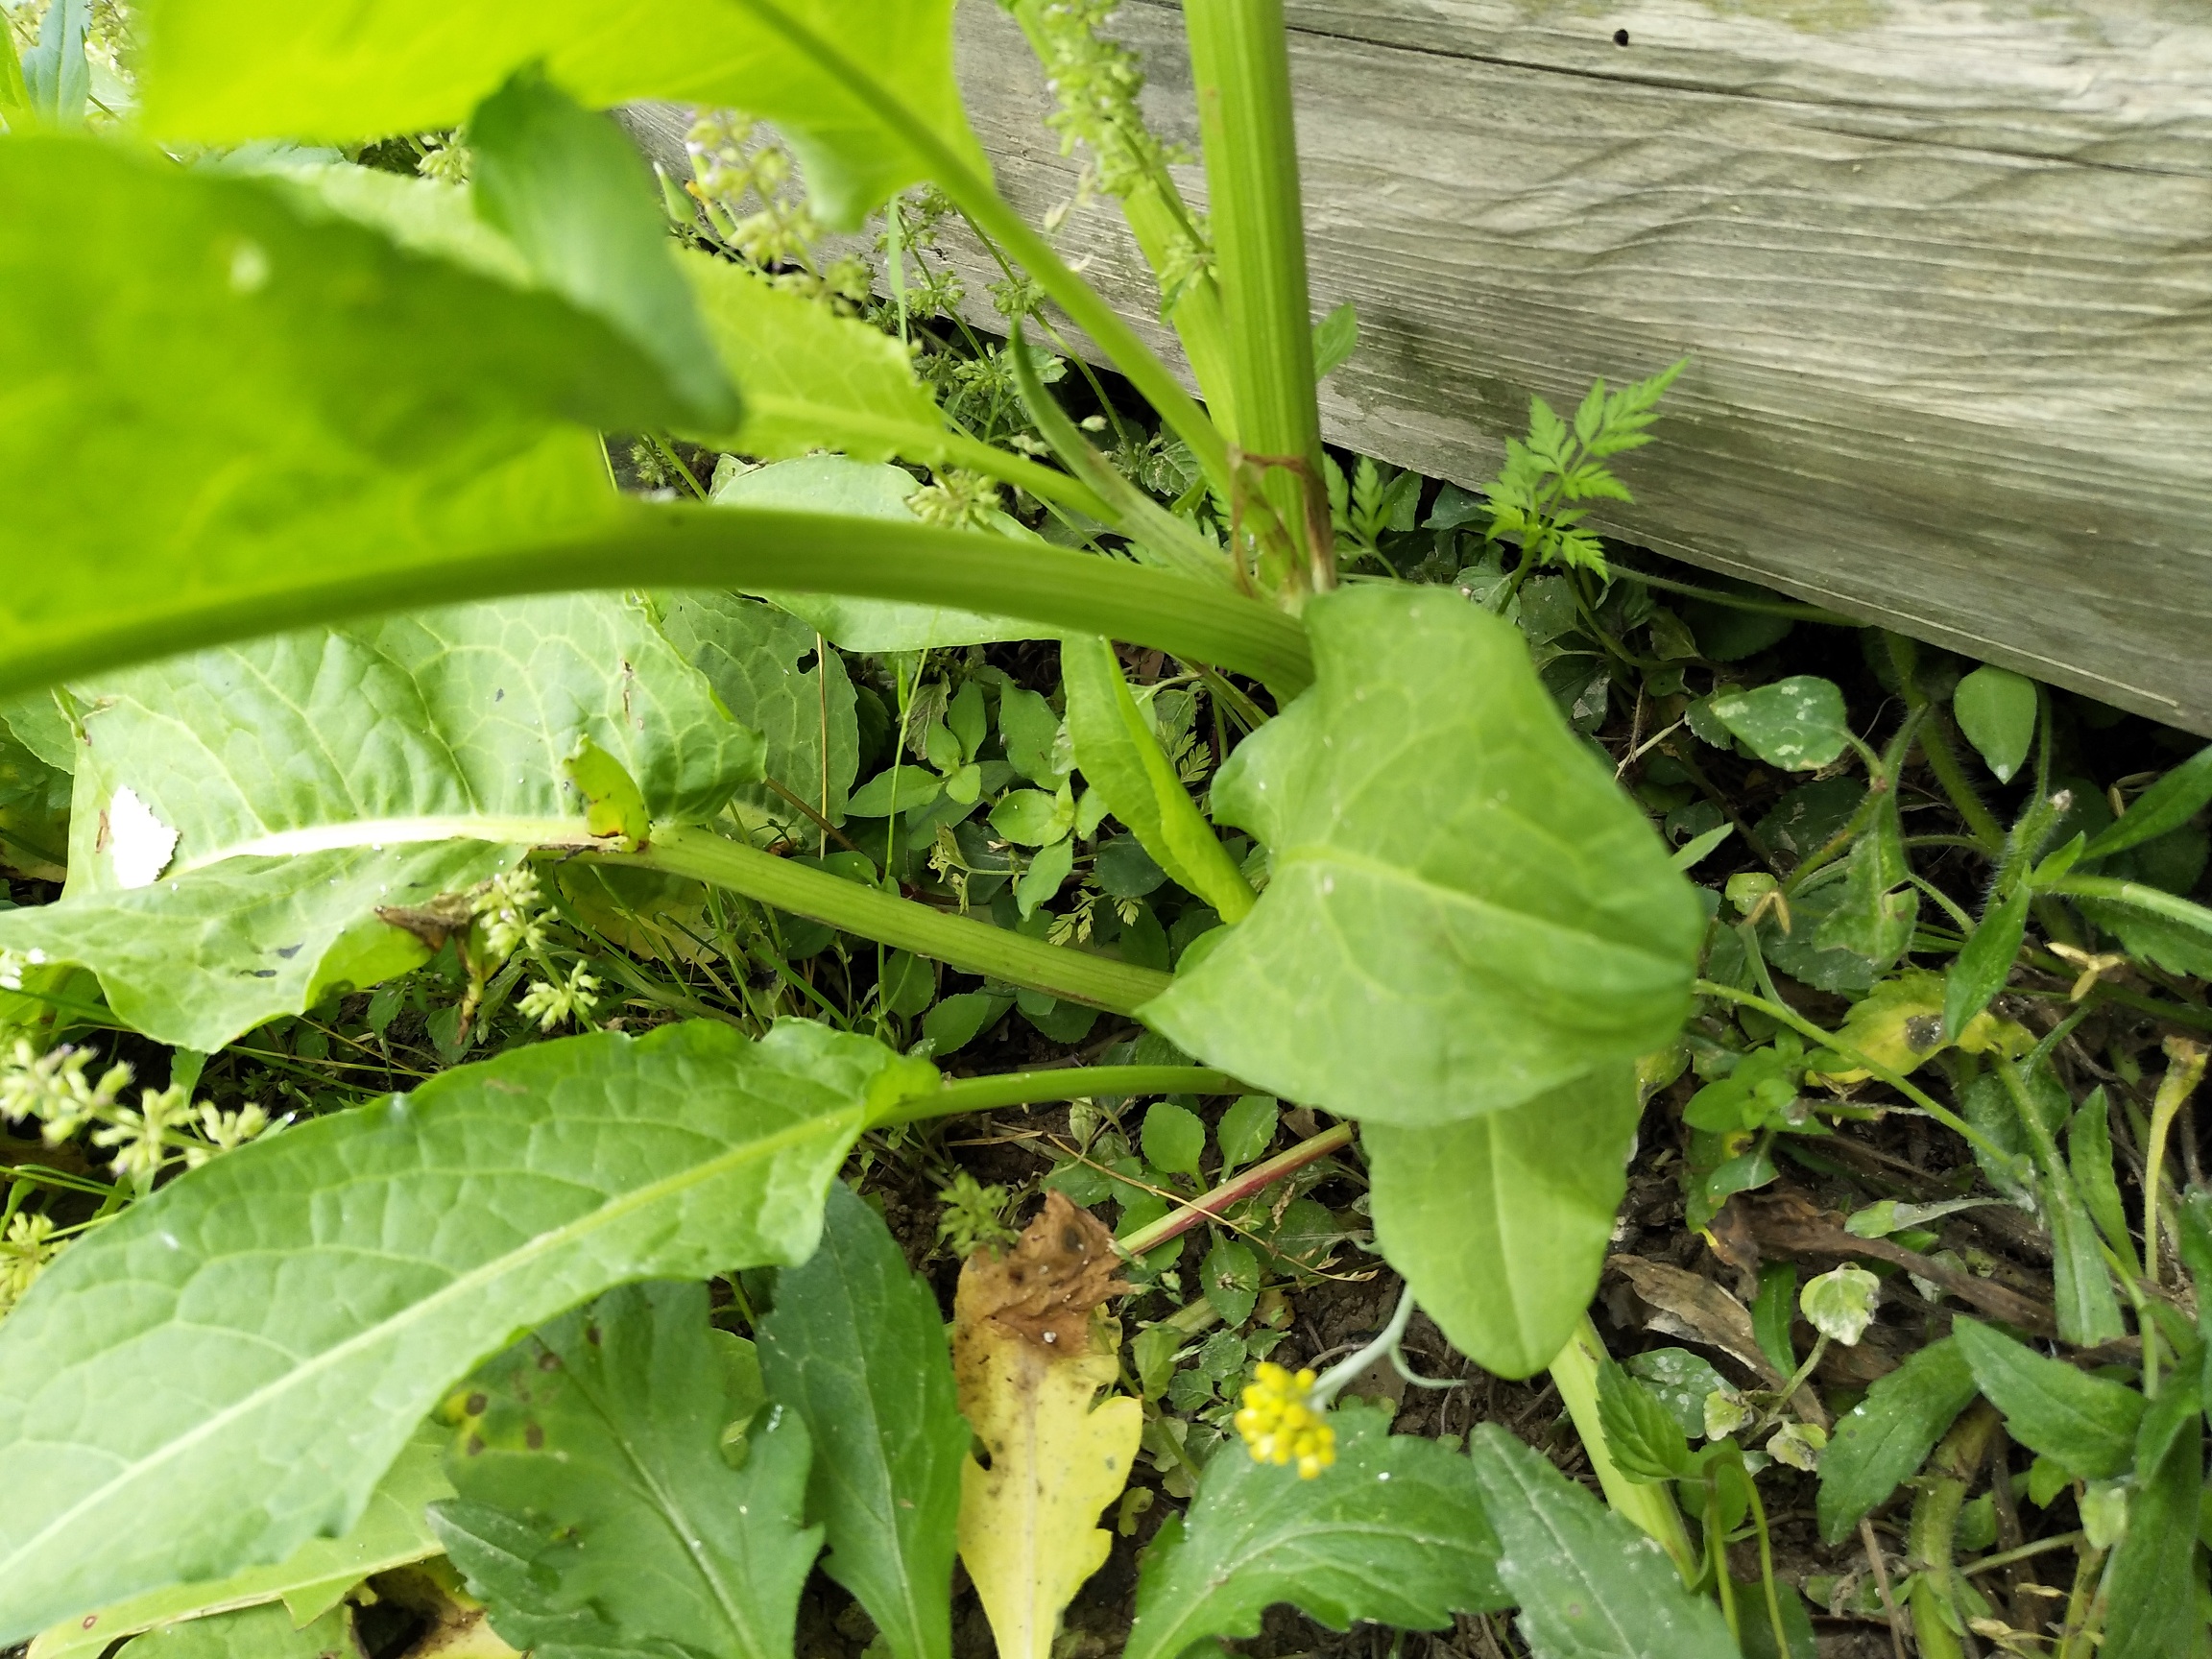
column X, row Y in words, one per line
column 248, row 268
column 140, row 843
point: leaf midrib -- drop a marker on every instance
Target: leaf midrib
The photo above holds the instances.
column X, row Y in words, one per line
column 476, row 1277
column 395, row 832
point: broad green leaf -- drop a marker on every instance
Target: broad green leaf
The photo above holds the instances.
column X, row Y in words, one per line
column 2163, row 807
column 392, row 1531
column 1247, row 1129
column 1996, row 709
column 1032, row 818
column 1464, row 911
column 856, row 1346
column 752, row 654
column 1985, row 964
column 1590, row 1585
column 812, row 380
column 2086, row 1423
column 569, row 190
column 1501, row 1223
column 1797, row 724
column 595, row 1511
column 1393, row 1533
column 219, row 71
column 241, row 815
column 1679, row 1381
column 1119, row 752
column 283, row 380
column 226, row 1369
column 863, row 490
column 1174, row 1138
column 263, row 1633
column 2152, row 1590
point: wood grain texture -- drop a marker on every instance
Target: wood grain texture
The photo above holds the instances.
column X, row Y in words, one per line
column 1942, row 267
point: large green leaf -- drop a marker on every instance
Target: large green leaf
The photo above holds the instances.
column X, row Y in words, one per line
column 1590, row 1585
column 1499, row 1223
column 751, row 654
column 870, row 490
column 856, row 1346
column 1393, row 1533
column 569, row 190
column 223, row 70
column 303, row 404
column 310, row 779
column 226, row 1369
column 1463, row 910
column 1883, row 1439
column 813, row 379
column 394, row 1530
column 595, row 1511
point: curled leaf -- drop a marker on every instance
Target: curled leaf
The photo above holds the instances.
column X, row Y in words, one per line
column 1029, row 1351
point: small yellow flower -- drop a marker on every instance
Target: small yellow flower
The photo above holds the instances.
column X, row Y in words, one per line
column 1281, row 1424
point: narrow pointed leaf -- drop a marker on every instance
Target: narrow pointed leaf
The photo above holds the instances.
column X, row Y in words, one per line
column 1116, row 748
column 2165, row 807
column 228, row 1370
column 1883, row 1439
column 219, row 71
column 855, row 1347
column 1986, row 963
column 1464, row 911
column 1392, row 1534
column 595, row 1511
column 312, row 780
column 1501, row 1223
column 2086, row 1423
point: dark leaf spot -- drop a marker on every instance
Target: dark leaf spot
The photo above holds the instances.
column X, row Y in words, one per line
column 475, row 1447
column 534, row 1437
column 477, row 1405
column 1620, row 36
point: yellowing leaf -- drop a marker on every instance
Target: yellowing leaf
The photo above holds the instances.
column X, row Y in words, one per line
column 1029, row 1353
column 1901, row 1025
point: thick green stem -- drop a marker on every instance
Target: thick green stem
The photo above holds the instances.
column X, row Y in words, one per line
column 674, row 544
column 1058, row 1083
column 960, row 941
column 1240, row 65
column 1934, row 1531
column 1652, row 1507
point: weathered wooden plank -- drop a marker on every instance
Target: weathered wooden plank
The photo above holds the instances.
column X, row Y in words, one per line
column 1943, row 271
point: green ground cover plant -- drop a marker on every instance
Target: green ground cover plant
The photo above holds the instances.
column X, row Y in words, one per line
column 585, row 731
